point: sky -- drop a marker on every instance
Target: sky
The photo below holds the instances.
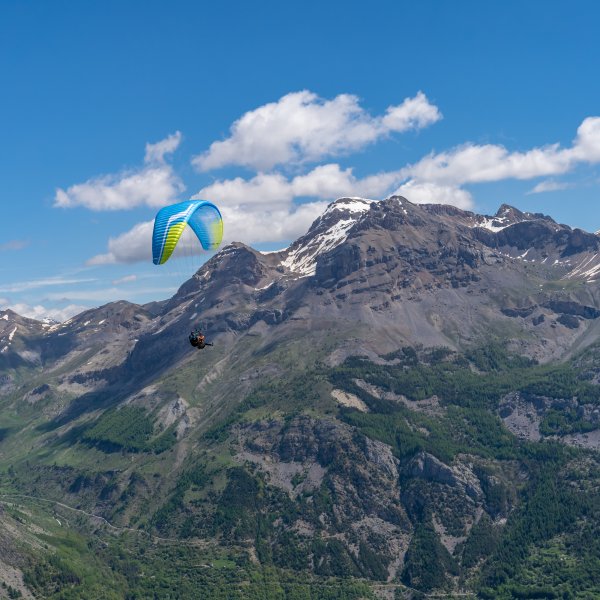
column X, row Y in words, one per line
column 110, row 110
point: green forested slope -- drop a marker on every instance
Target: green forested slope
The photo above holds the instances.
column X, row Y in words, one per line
column 289, row 494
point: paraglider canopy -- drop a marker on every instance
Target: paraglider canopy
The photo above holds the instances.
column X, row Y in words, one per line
column 203, row 217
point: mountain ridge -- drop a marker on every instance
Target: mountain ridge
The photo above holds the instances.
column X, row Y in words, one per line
column 394, row 271
column 392, row 264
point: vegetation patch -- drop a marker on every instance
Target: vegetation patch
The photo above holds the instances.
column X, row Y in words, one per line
column 128, row 428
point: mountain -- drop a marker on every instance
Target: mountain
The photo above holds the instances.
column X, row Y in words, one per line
column 405, row 400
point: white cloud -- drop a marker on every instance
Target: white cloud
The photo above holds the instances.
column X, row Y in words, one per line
column 440, row 176
column 155, row 184
column 125, row 279
column 270, row 224
column 549, row 185
column 472, row 163
column 155, row 153
column 302, row 127
column 132, row 246
column 326, row 182
column 587, row 142
column 329, row 181
column 39, row 312
column 264, row 188
column 152, row 186
column 475, row 164
column 433, row 193
column 413, row 113
column 251, row 225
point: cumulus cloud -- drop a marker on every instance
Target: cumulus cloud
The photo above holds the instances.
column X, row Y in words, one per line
column 302, row 127
column 150, row 186
column 243, row 223
column 413, row 113
column 587, row 143
column 262, row 208
column 477, row 164
column 155, row 153
column 440, row 176
column 264, row 188
column 326, row 181
column 330, row 181
column 472, row 163
column 432, row 193
column 132, row 246
column 154, row 185
column 273, row 224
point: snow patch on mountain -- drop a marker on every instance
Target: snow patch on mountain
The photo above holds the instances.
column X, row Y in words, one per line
column 494, row 224
column 588, row 268
column 353, row 205
column 11, row 335
column 304, row 258
column 328, row 231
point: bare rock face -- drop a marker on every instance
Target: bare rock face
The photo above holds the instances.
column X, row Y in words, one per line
column 172, row 412
column 571, row 308
column 381, row 455
column 428, row 467
column 523, row 414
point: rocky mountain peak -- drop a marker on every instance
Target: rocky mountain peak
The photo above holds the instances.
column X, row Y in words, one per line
column 243, row 264
column 9, row 319
column 509, row 213
column 236, row 262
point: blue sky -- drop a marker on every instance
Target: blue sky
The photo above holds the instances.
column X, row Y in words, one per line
column 110, row 109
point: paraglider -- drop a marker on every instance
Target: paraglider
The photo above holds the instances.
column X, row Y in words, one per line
column 198, row 340
column 170, row 222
